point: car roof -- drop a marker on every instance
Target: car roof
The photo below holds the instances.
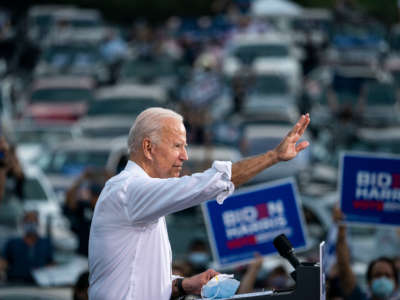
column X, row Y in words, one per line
column 94, row 144
column 132, row 91
column 63, row 82
column 242, row 39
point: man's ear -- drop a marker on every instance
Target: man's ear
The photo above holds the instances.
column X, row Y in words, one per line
column 147, row 148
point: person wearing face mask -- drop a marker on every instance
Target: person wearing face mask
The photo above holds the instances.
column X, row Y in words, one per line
column 382, row 278
column 198, row 257
column 22, row 255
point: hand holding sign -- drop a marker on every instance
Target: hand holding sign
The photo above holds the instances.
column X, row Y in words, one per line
column 287, row 149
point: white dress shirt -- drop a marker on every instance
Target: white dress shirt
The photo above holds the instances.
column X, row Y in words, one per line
column 129, row 251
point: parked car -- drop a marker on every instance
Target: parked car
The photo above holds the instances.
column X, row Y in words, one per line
column 270, row 99
column 74, row 57
column 161, row 70
column 63, row 162
column 252, row 49
column 40, row 21
column 114, row 109
column 380, row 105
column 38, row 195
column 35, row 293
column 31, row 139
column 261, row 137
column 59, row 98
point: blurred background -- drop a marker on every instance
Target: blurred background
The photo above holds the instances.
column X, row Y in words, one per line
column 75, row 74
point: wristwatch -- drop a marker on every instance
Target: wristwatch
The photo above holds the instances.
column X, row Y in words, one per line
column 180, row 287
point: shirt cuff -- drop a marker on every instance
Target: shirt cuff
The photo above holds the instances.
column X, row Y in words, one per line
column 224, row 167
column 176, row 277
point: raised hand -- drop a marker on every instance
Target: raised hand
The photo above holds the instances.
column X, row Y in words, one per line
column 288, row 147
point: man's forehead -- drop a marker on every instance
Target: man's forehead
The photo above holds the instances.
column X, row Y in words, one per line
column 172, row 125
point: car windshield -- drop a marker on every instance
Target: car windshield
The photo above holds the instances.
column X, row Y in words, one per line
column 381, row 94
column 350, row 85
column 40, row 136
column 270, row 85
column 122, row 106
column 261, row 144
column 42, row 20
column 33, row 190
column 73, row 162
column 147, row 69
column 71, row 55
column 247, row 54
column 55, row 95
column 104, row 132
column 388, row 146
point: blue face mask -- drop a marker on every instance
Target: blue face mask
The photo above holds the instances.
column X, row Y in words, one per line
column 221, row 286
column 198, row 258
column 30, row 228
column 382, row 287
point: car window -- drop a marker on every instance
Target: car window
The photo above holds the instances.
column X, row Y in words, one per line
column 271, row 85
column 260, row 145
column 25, row 136
column 105, row 131
column 73, row 162
column 147, row 69
column 61, row 95
column 381, row 94
column 247, row 54
column 63, row 55
column 33, row 190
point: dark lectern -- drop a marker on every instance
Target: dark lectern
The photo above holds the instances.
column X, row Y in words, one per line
column 307, row 276
column 307, row 287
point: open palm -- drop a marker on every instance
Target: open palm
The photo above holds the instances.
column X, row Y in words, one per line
column 288, row 147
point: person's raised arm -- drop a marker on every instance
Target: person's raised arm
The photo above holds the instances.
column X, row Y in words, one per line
column 288, row 149
column 249, row 278
column 347, row 278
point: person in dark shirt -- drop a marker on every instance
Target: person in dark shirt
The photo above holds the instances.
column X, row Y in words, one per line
column 382, row 278
column 80, row 201
column 24, row 254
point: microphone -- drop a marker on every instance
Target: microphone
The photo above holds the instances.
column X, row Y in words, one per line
column 285, row 249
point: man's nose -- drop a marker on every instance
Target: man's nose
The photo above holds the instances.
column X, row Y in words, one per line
column 184, row 155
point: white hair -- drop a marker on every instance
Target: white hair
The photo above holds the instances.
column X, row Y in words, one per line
column 149, row 124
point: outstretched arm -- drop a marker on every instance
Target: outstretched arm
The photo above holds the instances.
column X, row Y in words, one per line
column 288, row 149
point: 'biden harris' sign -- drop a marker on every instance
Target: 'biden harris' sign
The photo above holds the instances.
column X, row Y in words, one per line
column 370, row 188
column 250, row 219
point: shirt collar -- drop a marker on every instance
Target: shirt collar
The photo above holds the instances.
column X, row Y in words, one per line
column 131, row 166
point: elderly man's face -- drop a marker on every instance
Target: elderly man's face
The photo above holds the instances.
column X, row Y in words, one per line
column 170, row 153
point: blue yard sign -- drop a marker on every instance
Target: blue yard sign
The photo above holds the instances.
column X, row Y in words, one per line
column 370, row 188
column 249, row 220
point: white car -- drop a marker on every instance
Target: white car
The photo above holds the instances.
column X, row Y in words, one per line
column 264, row 53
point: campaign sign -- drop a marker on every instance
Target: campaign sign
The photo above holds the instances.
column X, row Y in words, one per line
column 249, row 220
column 370, row 188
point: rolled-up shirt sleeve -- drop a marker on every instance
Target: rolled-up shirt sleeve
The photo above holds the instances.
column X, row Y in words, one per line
column 227, row 186
column 151, row 198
